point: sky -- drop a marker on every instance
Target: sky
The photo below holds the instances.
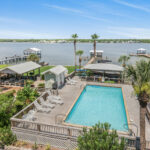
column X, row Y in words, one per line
column 59, row 19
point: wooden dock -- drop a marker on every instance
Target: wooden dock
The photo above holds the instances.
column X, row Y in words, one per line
column 141, row 55
column 13, row 60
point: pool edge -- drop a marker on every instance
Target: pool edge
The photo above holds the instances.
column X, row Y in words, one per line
column 81, row 126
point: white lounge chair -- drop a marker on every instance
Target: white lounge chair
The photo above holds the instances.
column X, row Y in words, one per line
column 46, row 104
column 40, row 109
column 56, row 101
column 53, row 96
column 29, row 116
column 71, row 80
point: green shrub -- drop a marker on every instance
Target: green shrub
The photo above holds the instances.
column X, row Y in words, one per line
column 99, row 137
column 48, row 147
column 6, row 136
column 112, row 82
column 41, row 85
column 35, row 146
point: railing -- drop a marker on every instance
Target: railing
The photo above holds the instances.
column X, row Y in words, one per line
column 53, row 129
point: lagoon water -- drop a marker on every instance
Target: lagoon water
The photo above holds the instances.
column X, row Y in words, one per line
column 62, row 53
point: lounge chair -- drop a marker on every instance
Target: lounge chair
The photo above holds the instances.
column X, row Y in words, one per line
column 40, row 108
column 56, row 101
column 72, row 80
column 29, row 116
column 46, row 104
column 53, row 96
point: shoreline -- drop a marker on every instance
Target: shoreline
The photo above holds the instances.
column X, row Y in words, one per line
column 71, row 40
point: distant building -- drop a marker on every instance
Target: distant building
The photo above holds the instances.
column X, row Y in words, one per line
column 99, row 53
column 141, row 51
column 30, row 51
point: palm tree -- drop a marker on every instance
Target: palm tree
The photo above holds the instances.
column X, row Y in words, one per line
column 75, row 36
column 80, row 53
column 140, row 75
column 123, row 59
column 33, row 57
column 94, row 38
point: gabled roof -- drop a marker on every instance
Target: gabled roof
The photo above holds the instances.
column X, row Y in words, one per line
column 22, row 68
column 104, row 67
column 56, row 70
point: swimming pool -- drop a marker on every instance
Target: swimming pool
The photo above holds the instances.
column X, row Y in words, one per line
column 99, row 104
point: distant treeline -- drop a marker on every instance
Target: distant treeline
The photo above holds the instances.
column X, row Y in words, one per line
column 79, row 40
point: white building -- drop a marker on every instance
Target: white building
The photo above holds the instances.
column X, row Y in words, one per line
column 55, row 77
column 141, row 51
column 99, row 53
column 30, row 51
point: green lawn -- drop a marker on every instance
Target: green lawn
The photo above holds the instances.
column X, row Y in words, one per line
column 3, row 66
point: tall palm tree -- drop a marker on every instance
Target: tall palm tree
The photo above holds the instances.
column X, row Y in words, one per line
column 140, row 75
column 94, row 38
column 80, row 53
column 123, row 59
column 75, row 36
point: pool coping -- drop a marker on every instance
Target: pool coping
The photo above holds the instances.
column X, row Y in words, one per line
column 106, row 85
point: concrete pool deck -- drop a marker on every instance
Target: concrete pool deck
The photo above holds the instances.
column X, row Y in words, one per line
column 70, row 93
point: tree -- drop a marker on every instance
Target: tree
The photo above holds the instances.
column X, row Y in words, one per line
column 6, row 137
column 75, row 36
column 94, row 38
column 7, row 108
column 33, row 57
column 123, row 59
column 79, row 53
column 99, row 137
column 140, row 76
column 25, row 96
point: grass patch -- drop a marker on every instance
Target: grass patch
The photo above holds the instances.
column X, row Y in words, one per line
column 3, row 66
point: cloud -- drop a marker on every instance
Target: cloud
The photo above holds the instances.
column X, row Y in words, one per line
column 129, row 32
column 63, row 8
column 12, row 20
column 76, row 11
column 132, row 5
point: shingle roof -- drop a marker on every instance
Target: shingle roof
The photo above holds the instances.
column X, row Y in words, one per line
column 23, row 67
column 56, row 70
column 104, row 67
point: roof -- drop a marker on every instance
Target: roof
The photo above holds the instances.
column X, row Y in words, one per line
column 141, row 49
column 23, row 67
column 104, row 67
column 97, row 51
column 32, row 50
column 56, row 70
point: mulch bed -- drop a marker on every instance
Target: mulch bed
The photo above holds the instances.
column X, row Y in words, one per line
column 27, row 145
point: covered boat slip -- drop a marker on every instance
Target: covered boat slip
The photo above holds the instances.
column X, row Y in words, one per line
column 104, row 72
column 16, row 74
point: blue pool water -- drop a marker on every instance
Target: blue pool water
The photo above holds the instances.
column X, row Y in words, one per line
column 99, row 104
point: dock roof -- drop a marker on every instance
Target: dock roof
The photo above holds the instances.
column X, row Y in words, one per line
column 104, row 67
column 21, row 68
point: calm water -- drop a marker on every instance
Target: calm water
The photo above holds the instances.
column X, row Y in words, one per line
column 62, row 53
column 99, row 104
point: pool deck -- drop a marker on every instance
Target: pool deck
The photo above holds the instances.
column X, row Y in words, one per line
column 70, row 93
